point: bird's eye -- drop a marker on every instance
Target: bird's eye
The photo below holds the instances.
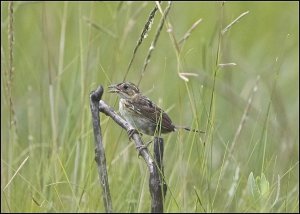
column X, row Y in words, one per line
column 125, row 87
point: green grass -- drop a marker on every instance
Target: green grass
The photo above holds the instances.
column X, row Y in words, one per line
column 248, row 159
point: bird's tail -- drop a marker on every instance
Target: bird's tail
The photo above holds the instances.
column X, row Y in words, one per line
column 189, row 129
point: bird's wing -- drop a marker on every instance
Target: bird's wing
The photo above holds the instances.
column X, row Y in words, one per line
column 148, row 109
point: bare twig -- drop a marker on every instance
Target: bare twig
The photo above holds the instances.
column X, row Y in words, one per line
column 95, row 97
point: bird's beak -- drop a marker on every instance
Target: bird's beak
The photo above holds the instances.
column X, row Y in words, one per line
column 113, row 89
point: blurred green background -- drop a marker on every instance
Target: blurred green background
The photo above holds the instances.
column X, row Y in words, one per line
column 248, row 159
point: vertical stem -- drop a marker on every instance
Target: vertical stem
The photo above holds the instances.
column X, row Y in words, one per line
column 158, row 188
column 9, row 80
column 95, row 97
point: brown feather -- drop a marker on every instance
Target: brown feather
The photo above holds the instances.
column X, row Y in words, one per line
column 155, row 114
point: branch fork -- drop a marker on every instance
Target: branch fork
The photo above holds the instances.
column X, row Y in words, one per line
column 156, row 184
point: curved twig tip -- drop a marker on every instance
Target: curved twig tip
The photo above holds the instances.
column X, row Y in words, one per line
column 97, row 94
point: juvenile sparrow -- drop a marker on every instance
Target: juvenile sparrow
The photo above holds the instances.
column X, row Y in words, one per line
column 141, row 112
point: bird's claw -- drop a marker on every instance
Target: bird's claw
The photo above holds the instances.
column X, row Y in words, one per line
column 130, row 133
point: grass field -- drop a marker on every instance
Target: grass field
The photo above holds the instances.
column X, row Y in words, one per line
column 236, row 76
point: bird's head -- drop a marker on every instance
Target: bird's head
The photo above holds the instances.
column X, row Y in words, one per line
column 126, row 90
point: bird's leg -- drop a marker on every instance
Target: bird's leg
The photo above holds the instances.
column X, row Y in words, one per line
column 130, row 133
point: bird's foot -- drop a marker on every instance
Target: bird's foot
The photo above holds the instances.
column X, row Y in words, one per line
column 130, row 133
